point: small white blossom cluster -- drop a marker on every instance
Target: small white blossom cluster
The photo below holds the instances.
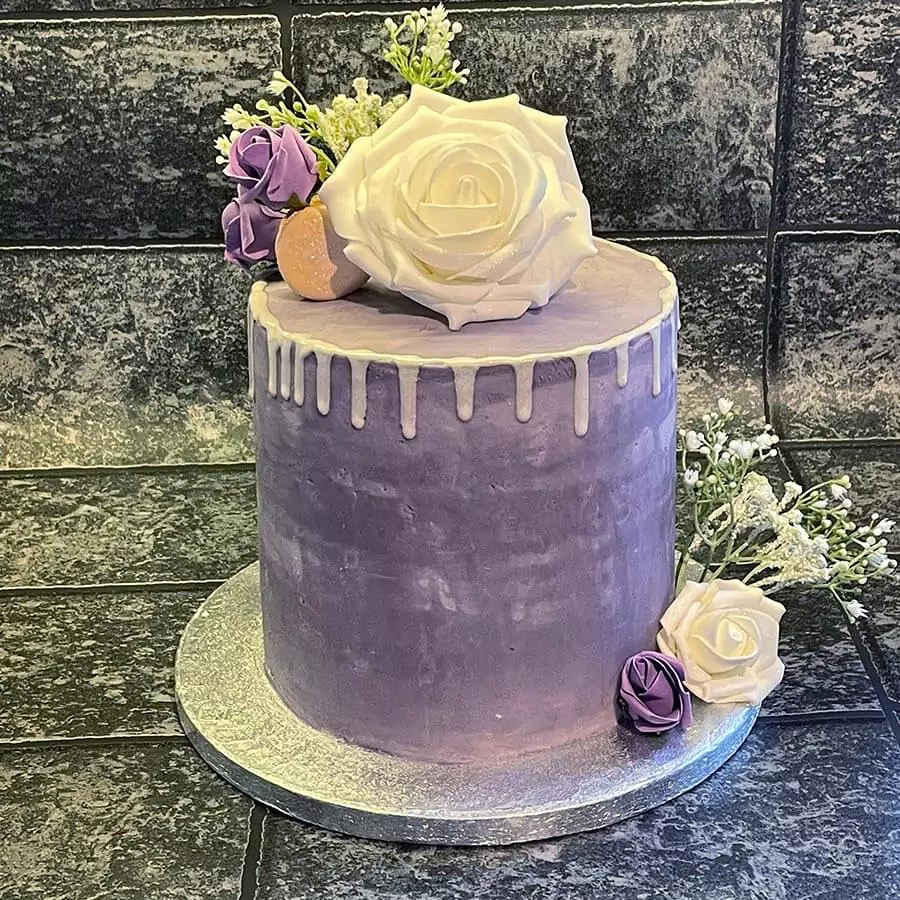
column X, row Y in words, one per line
column 738, row 521
column 419, row 49
column 349, row 118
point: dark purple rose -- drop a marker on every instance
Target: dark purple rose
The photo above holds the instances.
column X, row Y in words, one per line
column 652, row 697
column 250, row 229
column 272, row 166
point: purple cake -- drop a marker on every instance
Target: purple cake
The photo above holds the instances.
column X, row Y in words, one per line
column 464, row 535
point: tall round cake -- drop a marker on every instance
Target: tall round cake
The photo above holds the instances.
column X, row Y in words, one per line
column 463, row 535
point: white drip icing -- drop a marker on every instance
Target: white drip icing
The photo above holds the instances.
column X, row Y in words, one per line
column 657, row 374
column 323, row 382
column 287, row 354
column 250, row 323
column 408, row 376
column 673, row 338
column 524, row 390
column 284, row 349
column 273, row 345
column 622, row 364
column 300, row 374
column 358, row 393
column 464, row 383
column 582, row 393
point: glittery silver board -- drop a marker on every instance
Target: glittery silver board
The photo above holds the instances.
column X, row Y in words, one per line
column 243, row 730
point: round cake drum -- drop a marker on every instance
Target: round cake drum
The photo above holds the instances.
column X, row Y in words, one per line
column 242, row 729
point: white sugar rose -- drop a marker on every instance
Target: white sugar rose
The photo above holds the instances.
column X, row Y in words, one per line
column 726, row 636
column 474, row 209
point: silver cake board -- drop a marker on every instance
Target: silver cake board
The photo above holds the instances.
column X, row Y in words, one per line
column 241, row 728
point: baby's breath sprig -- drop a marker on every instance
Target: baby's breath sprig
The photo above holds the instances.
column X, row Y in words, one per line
column 329, row 131
column 738, row 523
column 419, row 49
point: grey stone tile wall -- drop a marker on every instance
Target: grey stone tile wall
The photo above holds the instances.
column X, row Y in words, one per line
column 125, row 822
column 843, row 147
column 126, row 527
column 671, row 110
column 93, row 666
column 110, row 123
column 110, row 357
column 837, row 322
column 722, row 290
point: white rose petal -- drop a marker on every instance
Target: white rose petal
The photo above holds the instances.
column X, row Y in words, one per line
column 726, row 636
column 474, row 209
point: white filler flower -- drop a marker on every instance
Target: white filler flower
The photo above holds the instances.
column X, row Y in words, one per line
column 474, row 209
column 726, row 636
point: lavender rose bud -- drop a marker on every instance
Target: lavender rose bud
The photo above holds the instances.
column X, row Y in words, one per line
column 272, row 166
column 250, row 229
column 652, row 696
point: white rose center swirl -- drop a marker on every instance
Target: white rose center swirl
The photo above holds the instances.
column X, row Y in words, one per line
column 472, row 209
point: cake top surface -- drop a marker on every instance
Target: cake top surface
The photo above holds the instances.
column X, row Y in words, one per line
column 614, row 296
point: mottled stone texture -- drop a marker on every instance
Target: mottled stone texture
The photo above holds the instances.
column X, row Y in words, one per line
column 823, row 670
column 122, row 356
column 139, row 822
column 671, row 111
column 796, row 813
column 880, row 633
column 843, row 150
column 90, row 666
column 109, row 124
column 126, row 527
column 837, row 302
column 722, row 286
column 40, row 6
column 874, row 471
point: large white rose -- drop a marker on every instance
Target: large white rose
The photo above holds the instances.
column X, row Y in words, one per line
column 472, row 209
column 726, row 636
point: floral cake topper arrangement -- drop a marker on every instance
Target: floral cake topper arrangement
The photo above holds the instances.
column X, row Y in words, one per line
column 473, row 209
column 743, row 540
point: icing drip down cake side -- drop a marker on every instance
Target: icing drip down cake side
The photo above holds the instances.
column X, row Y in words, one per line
column 464, row 535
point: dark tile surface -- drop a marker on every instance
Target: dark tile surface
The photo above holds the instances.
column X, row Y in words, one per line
column 722, row 285
column 800, row 812
column 838, row 329
column 122, row 356
column 880, row 633
column 110, row 123
column 823, row 670
column 39, row 6
column 671, row 111
column 843, row 156
column 126, row 527
column 874, row 471
column 148, row 822
column 90, row 666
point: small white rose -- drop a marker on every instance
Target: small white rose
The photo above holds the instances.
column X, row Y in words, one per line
column 474, row 210
column 726, row 636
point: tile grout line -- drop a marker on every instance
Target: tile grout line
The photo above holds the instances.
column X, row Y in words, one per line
column 889, row 706
column 250, row 868
column 771, row 331
column 87, row 741
column 126, row 469
column 114, row 587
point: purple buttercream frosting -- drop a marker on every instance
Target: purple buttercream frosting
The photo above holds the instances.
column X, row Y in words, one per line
column 652, row 696
column 272, row 165
column 250, row 230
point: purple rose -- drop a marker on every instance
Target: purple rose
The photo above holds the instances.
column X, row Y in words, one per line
column 250, row 229
column 652, row 696
column 272, row 166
